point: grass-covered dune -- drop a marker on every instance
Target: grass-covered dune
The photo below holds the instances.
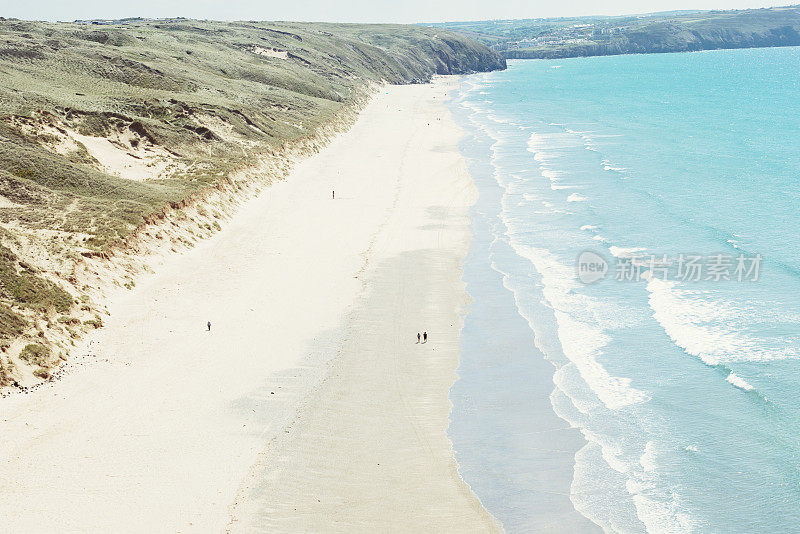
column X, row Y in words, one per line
column 102, row 125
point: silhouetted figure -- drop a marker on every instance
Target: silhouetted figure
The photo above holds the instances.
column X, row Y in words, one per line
column 209, row 326
column 333, row 195
column 418, row 337
column 424, row 337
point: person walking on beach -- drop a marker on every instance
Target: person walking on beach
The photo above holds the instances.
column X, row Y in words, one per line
column 209, row 326
column 425, row 337
column 417, row 337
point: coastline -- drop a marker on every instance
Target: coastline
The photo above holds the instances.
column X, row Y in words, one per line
column 95, row 178
column 514, row 449
column 368, row 450
column 160, row 421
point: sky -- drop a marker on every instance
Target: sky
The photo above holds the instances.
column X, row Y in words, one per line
column 401, row 11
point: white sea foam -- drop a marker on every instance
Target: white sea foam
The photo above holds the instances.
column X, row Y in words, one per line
column 648, row 459
column 582, row 327
column 553, row 176
column 581, row 341
column 575, row 197
column 681, row 321
column 588, row 142
column 609, row 166
column 662, row 517
column 612, row 454
column 551, row 208
column 659, row 513
column 474, row 107
column 615, row 169
column 599, row 493
column 534, row 141
column 738, row 382
column 656, row 511
column 697, row 325
column 498, row 120
column 560, row 379
column 551, row 141
column 625, row 252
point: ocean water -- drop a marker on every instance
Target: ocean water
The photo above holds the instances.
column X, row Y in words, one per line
column 679, row 371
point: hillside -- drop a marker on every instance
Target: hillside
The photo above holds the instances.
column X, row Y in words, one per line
column 107, row 126
column 678, row 31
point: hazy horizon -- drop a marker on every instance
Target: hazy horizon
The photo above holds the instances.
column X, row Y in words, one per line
column 412, row 11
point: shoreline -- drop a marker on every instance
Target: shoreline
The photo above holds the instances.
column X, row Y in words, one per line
column 168, row 418
column 514, row 449
column 371, row 440
column 372, row 437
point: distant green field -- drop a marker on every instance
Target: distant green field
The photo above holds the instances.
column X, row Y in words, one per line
column 674, row 31
column 185, row 102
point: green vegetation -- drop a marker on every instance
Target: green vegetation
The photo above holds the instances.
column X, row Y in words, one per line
column 97, row 322
column 36, row 354
column 674, row 31
column 168, row 84
column 42, row 373
column 182, row 103
column 12, row 325
column 20, row 284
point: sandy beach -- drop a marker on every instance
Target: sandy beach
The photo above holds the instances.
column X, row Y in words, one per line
column 309, row 405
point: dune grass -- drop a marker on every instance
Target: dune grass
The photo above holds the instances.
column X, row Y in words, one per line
column 202, row 98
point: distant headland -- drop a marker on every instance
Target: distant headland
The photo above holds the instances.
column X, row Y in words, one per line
column 673, row 31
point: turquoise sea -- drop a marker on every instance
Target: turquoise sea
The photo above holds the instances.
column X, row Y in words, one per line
column 679, row 371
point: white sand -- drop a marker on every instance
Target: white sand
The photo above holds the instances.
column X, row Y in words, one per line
column 165, row 427
column 270, row 52
column 116, row 156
